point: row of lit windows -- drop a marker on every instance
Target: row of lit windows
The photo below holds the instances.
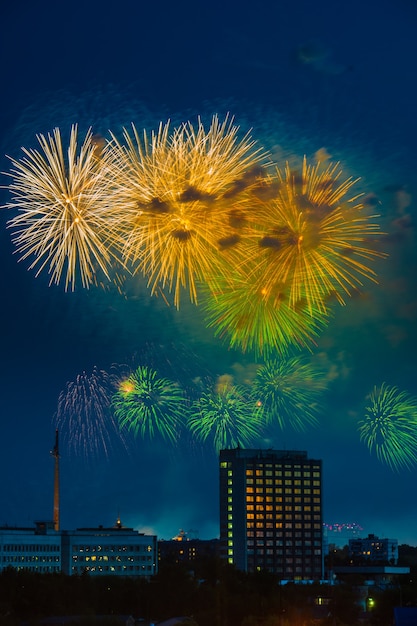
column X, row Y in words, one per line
column 279, row 514
column 297, row 482
column 30, row 559
column 31, row 547
column 266, row 466
column 268, row 506
column 260, row 534
column 278, row 488
column 279, row 524
column 105, row 557
column 112, row 548
column 281, row 521
column 298, row 543
column 278, row 483
column 113, row 568
column 280, row 508
column 291, row 470
column 39, row 568
column 289, row 495
column 278, row 500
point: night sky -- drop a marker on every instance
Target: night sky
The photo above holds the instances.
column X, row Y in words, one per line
column 304, row 76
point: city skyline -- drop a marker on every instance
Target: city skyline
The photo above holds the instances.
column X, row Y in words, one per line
column 335, row 532
column 305, row 83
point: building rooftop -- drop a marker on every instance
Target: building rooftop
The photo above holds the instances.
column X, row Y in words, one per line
column 370, row 569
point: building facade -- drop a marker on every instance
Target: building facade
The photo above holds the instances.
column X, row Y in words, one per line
column 271, row 512
column 374, row 550
column 35, row 549
column 117, row 551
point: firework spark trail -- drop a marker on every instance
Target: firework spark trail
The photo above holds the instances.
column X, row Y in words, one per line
column 83, row 414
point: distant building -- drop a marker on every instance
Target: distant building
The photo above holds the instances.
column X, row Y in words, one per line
column 271, row 512
column 372, row 549
column 36, row 549
column 115, row 551
column 102, row 551
column 182, row 549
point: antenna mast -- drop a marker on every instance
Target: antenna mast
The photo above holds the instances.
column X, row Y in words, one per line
column 55, row 454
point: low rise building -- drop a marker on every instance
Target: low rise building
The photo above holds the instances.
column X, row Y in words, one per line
column 117, row 550
column 372, row 549
column 37, row 549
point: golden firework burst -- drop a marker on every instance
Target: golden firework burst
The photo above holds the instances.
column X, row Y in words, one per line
column 313, row 237
column 178, row 193
column 62, row 223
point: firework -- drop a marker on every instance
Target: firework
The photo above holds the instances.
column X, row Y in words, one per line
column 179, row 193
column 83, row 413
column 254, row 316
column 389, row 426
column 288, row 392
column 62, row 224
column 146, row 404
column 227, row 416
column 312, row 237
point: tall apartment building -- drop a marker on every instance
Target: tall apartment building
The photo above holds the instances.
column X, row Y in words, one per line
column 271, row 512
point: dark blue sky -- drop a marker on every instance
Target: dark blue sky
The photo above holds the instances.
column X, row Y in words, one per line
column 106, row 65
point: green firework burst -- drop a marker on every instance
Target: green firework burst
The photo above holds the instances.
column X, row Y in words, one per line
column 227, row 415
column 260, row 319
column 147, row 404
column 288, row 392
column 389, row 426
